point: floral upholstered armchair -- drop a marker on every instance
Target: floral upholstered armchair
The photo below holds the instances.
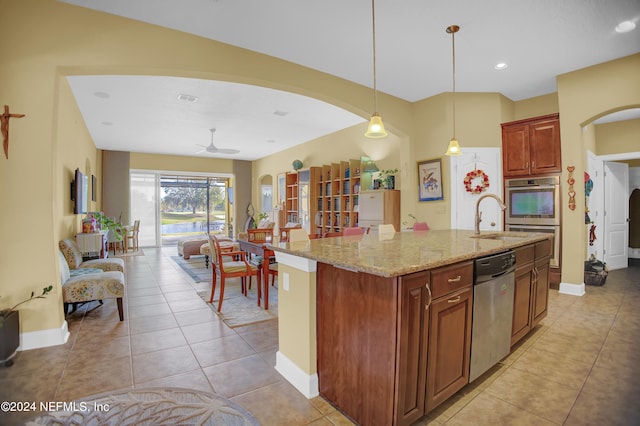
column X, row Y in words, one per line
column 89, row 285
column 73, row 256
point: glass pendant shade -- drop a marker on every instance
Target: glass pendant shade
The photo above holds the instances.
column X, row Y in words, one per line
column 454, row 148
column 376, row 127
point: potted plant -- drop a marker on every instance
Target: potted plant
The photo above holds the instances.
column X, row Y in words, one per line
column 105, row 222
column 410, row 222
column 389, row 178
column 10, row 328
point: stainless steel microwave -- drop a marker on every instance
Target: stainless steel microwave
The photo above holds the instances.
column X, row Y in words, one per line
column 534, row 201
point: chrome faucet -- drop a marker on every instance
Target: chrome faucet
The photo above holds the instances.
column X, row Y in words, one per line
column 479, row 213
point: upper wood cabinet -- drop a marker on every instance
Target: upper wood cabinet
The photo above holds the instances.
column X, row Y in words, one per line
column 531, row 147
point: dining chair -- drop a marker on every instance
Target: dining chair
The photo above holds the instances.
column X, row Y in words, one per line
column 260, row 235
column 115, row 241
column 264, row 235
column 230, row 264
column 132, row 235
column 355, row 230
column 420, row 226
column 298, row 234
column 386, row 228
column 284, row 232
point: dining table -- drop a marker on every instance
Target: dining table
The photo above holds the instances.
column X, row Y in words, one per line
column 260, row 249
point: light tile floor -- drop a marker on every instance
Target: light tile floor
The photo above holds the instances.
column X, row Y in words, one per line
column 580, row 366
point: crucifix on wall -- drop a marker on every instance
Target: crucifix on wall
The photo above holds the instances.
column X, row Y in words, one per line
column 4, row 119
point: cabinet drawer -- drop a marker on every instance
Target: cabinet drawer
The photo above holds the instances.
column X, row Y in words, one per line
column 543, row 248
column 524, row 255
column 451, row 278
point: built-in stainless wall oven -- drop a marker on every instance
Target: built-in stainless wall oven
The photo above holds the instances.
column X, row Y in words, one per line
column 533, row 205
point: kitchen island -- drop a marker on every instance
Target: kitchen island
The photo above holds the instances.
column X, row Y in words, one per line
column 380, row 325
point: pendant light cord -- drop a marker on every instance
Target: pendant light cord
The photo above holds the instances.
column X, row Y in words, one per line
column 453, row 49
column 375, row 90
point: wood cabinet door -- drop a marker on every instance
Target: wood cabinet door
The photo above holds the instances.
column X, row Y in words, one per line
column 357, row 337
column 449, row 346
column 544, row 143
column 515, row 150
column 541, row 290
column 522, row 305
column 413, row 320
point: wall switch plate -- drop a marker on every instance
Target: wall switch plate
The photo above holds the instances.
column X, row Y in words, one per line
column 285, row 279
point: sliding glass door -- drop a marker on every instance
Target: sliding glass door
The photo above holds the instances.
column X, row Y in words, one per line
column 183, row 206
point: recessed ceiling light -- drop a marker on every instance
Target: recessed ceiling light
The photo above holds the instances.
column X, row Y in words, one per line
column 187, row 98
column 107, row 123
column 501, row 65
column 280, row 113
column 102, row 95
column 271, row 141
column 625, row 26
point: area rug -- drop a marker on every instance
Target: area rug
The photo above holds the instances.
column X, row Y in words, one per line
column 195, row 267
column 239, row 310
column 151, row 407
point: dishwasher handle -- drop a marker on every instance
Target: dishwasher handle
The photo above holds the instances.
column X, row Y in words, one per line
column 485, row 278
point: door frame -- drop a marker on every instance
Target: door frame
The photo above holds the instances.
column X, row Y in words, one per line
column 599, row 245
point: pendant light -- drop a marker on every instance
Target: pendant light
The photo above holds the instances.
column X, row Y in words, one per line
column 454, row 147
column 376, row 127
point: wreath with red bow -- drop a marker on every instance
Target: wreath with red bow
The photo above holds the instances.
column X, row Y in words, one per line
column 471, row 183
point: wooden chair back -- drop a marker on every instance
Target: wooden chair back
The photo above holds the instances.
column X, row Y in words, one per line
column 260, row 235
column 285, row 233
column 333, row 234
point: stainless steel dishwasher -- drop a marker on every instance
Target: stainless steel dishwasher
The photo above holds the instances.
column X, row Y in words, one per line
column 492, row 311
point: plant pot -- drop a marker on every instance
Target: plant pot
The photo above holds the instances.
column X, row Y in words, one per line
column 9, row 337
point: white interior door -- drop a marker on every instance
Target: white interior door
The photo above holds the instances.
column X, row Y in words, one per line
column 463, row 203
column 616, row 225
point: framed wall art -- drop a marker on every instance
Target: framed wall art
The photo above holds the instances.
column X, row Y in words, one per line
column 430, row 180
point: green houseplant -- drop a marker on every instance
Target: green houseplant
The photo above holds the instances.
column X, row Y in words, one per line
column 10, row 328
column 389, row 178
column 105, row 222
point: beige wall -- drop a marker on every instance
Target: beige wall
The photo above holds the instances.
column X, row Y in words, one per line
column 620, row 136
column 584, row 96
column 534, row 107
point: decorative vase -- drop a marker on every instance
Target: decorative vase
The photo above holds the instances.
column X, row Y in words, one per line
column 391, row 182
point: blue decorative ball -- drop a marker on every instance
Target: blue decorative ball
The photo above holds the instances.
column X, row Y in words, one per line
column 297, row 164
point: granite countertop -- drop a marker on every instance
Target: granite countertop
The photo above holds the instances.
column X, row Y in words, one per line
column 406, row 252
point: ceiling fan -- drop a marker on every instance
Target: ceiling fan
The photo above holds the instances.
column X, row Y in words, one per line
column 212, row 149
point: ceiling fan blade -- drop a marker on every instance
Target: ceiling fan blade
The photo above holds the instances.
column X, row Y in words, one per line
column 228, row 151
column 204, row 146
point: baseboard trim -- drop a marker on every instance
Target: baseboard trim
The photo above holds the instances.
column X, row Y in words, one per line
column 307, row 384
column 572, row 289
column 44, row 338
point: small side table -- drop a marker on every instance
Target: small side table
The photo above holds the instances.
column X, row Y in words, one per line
column 93, row 245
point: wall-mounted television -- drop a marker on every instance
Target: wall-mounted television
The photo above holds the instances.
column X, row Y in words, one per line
column 80, row 193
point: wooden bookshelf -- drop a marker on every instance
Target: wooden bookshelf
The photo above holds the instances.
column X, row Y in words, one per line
column 337, row 194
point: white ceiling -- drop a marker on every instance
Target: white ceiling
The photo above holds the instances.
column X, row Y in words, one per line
column 537, row 39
